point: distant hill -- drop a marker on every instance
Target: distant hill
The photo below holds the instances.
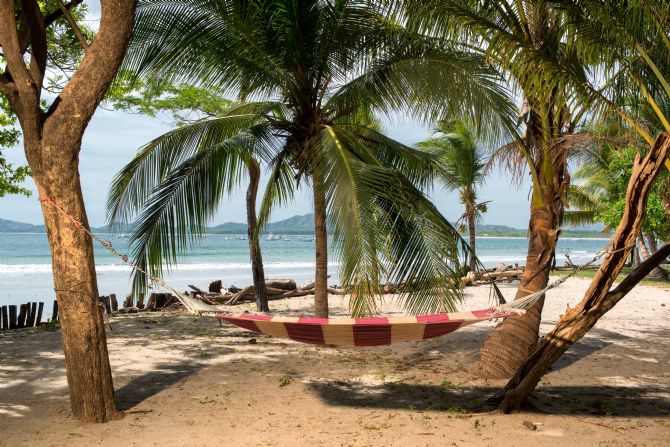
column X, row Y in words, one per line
column 293, row 225
column 10, row 226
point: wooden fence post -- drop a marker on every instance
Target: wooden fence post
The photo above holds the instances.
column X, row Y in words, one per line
column 38, row 319
column 23, row 313
column 4, row 317
column 32, row 314
column 54, row 314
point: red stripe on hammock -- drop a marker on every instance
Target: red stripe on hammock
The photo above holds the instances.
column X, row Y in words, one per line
column 375, row 334
column 305, row 333
column 312, row 320
column 436, row 318
column 433, row 330
column 245, row 323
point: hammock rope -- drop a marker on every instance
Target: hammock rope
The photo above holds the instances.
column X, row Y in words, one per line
column 376, row 331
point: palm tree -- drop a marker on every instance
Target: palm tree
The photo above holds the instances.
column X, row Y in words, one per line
column 317, row 71
column 633, row 52
column 462, row 162
column 513, row 35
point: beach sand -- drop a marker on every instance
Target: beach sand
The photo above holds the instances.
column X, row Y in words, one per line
column 186, row 381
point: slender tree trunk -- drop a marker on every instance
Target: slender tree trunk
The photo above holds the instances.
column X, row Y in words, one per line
column 598, row 299
column 471, row 231
column 321, row 237
column 88, row 370
column 260, row 289
column 635, row 257
column 645, row 251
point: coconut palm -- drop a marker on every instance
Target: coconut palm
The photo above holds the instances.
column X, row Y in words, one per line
column 631, row 44
column 462, row 162
column 313, row 74
column 513, row 35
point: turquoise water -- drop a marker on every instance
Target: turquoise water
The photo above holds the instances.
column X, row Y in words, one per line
column 25, row 263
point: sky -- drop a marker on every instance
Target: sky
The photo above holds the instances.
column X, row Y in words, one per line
column 113, row 137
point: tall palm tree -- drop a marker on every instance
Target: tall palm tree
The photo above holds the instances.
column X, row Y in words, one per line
column 462, row 162
column 632, row 45
column 316, row 72
column 513, row 35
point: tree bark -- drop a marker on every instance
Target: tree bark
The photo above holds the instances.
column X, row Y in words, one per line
column 598, row 299
column 514, row 338
column 52, row 142
column 321, row 238
column 260, row 289
column 471, row 232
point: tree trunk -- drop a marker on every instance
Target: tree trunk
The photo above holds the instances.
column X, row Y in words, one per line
column 471, row 232
column 89, row 374
column 635, row 257
column 598, row 299
column 642, row 240
column 321, row 237
column 514, row 338
column 260, row 289
column 52, row 142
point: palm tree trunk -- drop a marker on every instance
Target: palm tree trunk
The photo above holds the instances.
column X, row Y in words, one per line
column 599, row 298
column 512, row 340
column 260, row 289
column 321, row 237
column 515, row 338
column 89, row 375
column 471, row 231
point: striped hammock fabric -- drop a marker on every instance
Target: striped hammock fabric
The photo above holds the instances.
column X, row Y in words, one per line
column 362, row 331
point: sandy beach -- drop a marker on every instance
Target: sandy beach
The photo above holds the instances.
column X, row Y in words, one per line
column 186, row 381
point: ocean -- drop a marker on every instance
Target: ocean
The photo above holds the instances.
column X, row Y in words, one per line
column 25, row 262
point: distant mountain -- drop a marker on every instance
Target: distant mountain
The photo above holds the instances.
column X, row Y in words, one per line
column 293, row 225
column 10, row 226
column 228, row 228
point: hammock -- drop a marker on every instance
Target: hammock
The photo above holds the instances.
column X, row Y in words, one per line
column 377, row 331
column 340, row 331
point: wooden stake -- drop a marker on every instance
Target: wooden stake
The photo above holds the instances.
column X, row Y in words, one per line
column 40, row 308
column 12, row 317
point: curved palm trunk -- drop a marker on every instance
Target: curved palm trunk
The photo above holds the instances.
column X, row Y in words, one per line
column 321, row 237
column 471, row 232
column 515, row 338
column 88, row 370
column 599, row 298
column 260, row 289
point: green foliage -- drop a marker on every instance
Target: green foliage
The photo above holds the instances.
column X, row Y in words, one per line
column 10, row 177
column 315, row 75
column 65, row 52
column 618, row 172
column 599, row 194
column 185, row 103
